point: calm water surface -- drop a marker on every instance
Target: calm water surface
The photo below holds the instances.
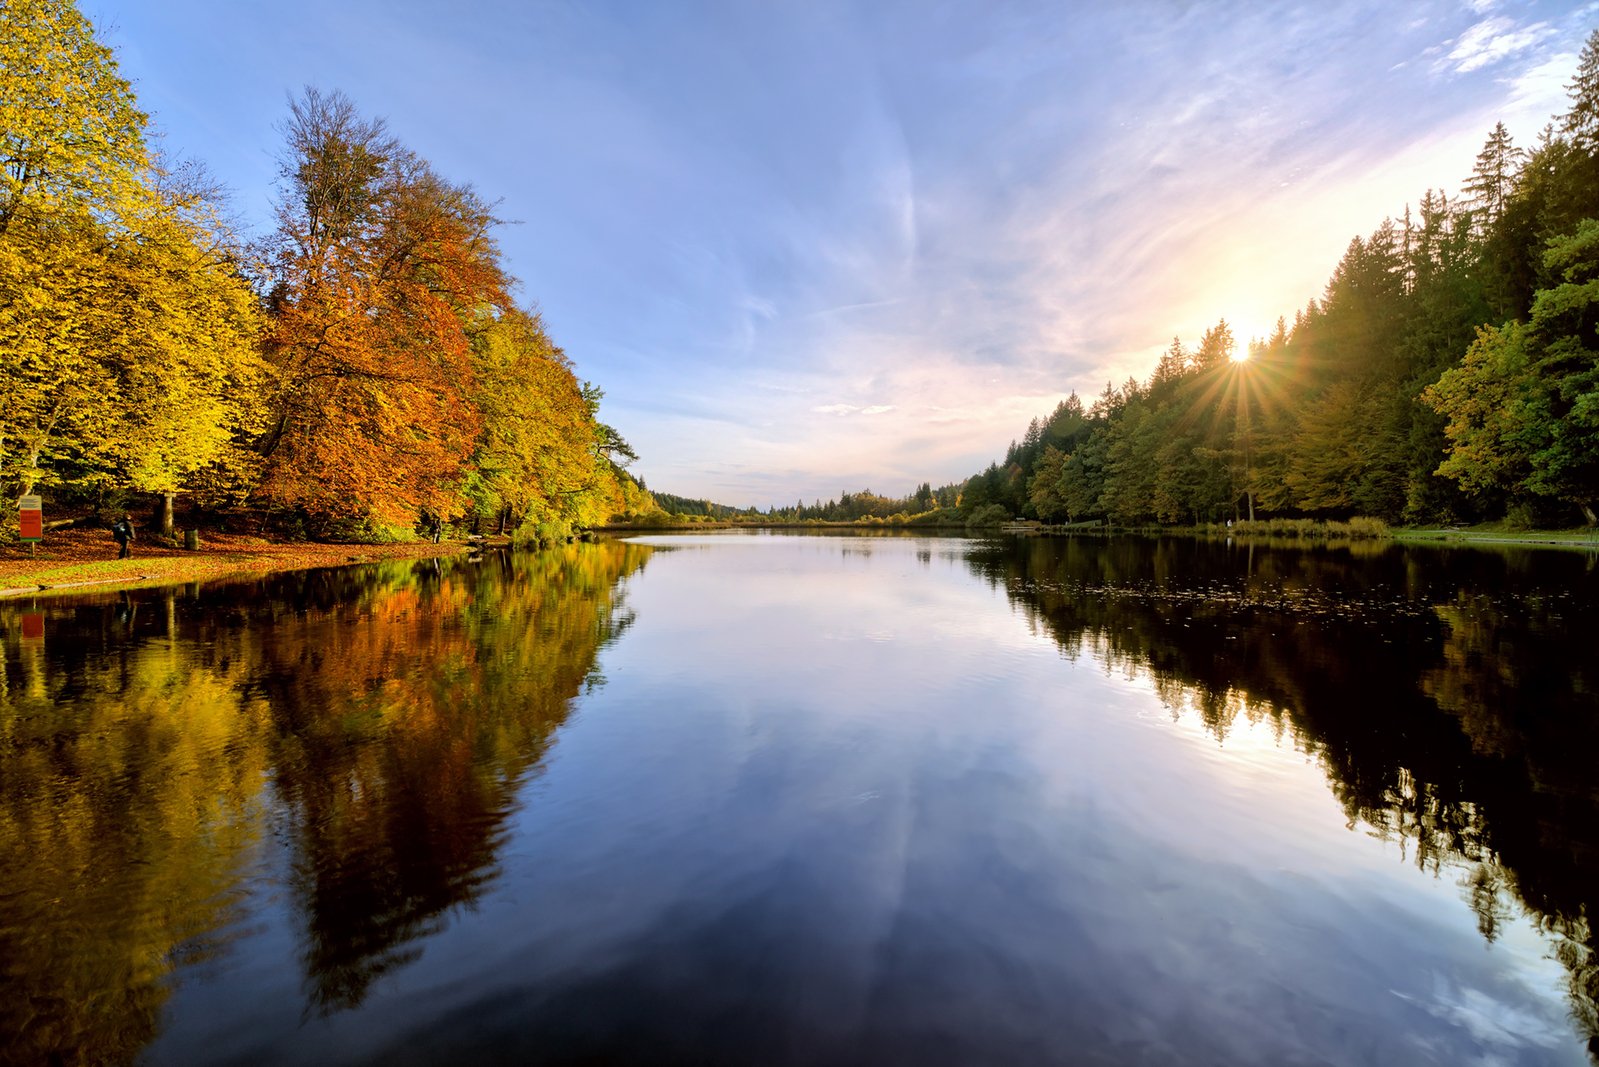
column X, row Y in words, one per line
column 744, row 799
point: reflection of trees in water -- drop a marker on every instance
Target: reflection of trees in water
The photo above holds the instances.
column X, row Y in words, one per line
column 129, row 807
column 1453, row 698
column 407, row 723
column 379, row 720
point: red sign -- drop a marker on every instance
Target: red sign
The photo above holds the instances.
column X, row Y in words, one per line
column 30, row 518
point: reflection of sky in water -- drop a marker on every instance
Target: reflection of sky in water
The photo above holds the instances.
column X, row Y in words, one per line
column 836, row 802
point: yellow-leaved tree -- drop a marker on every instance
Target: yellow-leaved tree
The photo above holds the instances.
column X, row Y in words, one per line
column 130, row 330
column 70, row 133
column 72, row 156
column 544, row 463
column 185, row 352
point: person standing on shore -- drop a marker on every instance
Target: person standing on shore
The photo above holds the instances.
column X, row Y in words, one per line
column 122, row 531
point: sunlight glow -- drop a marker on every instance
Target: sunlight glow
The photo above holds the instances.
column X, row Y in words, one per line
column 1240, row 354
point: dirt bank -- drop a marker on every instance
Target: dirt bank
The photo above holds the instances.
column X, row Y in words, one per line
column 83, row 559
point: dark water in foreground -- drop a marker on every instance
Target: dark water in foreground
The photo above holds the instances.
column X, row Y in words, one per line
column 811, row 800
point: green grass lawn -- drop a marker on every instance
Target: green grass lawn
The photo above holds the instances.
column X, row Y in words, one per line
column 1501, row 534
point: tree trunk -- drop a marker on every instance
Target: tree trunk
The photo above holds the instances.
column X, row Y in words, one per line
column 165, row 521
column 31, row 476
column 1251, row 496
column 1588, row 513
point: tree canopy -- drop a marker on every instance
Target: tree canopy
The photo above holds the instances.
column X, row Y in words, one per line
column 363, row 366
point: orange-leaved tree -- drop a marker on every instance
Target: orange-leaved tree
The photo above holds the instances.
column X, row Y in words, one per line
column 382, row 272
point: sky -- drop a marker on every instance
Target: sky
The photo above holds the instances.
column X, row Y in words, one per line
column 809, row 247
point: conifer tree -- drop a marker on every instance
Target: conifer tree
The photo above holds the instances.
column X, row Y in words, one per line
column 1493, row 177
column 1581, row 123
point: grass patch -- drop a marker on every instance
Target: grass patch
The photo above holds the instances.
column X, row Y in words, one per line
column 1502, row 533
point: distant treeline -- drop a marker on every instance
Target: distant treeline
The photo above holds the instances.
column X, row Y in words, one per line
column 926, row 504
column 695, row 508
column 360, row 369
column 1450, row 372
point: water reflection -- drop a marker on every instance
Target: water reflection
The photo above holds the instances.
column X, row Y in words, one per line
column 835, row 803
column 1451, row 697
column 368, row 728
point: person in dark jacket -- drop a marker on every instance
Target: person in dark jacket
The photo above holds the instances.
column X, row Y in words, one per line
column 122, row 531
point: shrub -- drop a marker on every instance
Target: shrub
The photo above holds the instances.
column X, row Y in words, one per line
column 1358, row 528
column 363, row 531
column 1363, row 527
column 989, row 515
column 541, row 533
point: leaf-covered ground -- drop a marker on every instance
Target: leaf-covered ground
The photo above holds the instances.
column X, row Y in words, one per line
column 72, row 559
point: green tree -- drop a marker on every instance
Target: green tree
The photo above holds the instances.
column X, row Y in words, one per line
column 1493, row 177
column 1484, row 400
column 1581, row 122
column 1044, row 488
column 1564, row 334
column 1523, row 407
column 1215, row 350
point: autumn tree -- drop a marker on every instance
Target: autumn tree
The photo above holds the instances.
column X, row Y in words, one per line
column 54, row 391
column 540, row 459
column 71, row 136
column 184, row 354
column 72, row 161
column 129, row 328
column 382, row 272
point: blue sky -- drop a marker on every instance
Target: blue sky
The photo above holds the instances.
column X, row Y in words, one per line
column 808, row 247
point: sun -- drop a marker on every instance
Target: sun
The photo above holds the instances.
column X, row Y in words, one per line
column 1239, row 354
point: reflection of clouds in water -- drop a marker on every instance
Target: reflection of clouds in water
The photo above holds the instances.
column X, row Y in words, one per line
column 858, row 635
column 1488, row 1019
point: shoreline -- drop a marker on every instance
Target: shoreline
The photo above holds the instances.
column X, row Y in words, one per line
column 75, row 565
column 64, row 570
column 1453, row 536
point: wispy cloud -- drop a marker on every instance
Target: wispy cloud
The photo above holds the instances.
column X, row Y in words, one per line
column 852, row 409
column 1490, row 41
